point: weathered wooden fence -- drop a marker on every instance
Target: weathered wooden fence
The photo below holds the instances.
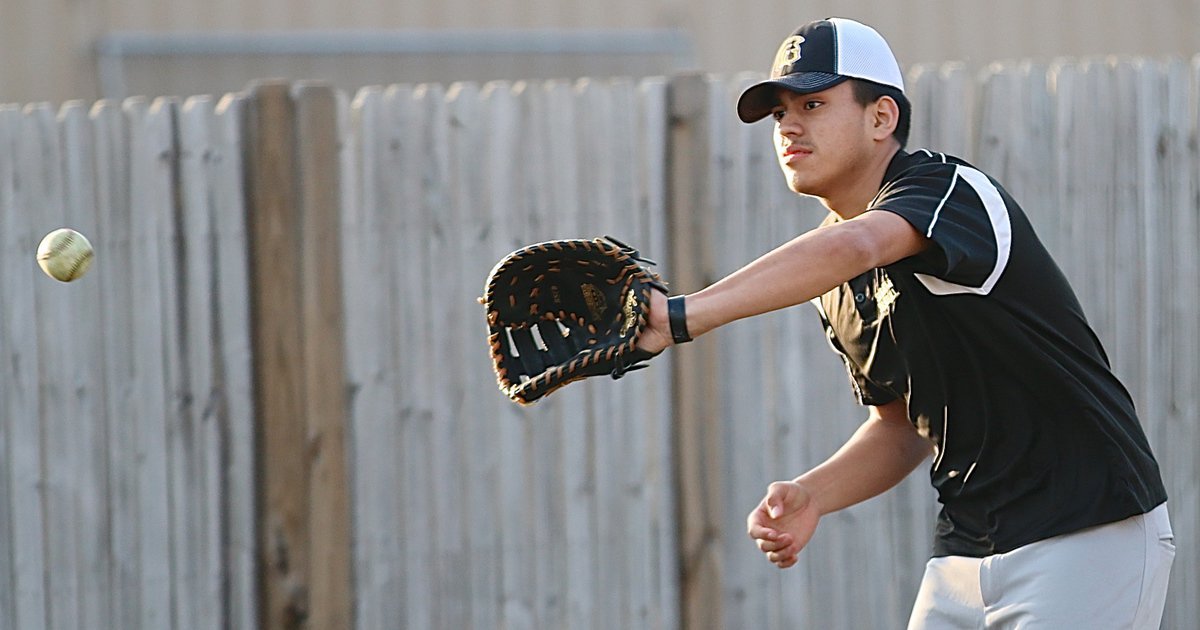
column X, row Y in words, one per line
column 472, row 512
column 166, row 454
column 126, row 433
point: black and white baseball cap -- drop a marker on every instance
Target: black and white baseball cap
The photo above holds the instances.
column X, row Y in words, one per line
column 818, row 56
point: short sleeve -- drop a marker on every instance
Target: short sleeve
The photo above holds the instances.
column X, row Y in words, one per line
column 965, row 215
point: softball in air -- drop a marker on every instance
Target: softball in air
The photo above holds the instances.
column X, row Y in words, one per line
column 65, row 255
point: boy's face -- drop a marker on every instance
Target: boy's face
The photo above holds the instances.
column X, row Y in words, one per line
column 822, row 139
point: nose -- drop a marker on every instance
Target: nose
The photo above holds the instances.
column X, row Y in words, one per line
column 789, row 125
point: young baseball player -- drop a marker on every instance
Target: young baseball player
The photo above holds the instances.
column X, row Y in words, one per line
column 964, row 341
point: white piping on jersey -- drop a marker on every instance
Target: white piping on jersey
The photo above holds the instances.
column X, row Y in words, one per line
column 1001, row 228
column 938, row 211
column 941, row 449
column 930, row 154
column 969, row 471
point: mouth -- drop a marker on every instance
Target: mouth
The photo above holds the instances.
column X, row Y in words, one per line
column 795, row 153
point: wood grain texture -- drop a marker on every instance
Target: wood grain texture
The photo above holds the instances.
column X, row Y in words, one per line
column 294, row 208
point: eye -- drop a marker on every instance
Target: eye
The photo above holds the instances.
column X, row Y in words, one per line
column 813, row 104
column 777, row 115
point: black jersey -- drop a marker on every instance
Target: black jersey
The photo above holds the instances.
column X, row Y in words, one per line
column 984, row 338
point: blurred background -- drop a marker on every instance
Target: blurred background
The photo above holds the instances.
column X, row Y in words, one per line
column 55, row 50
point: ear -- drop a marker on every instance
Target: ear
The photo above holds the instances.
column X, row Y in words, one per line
column 885, row 115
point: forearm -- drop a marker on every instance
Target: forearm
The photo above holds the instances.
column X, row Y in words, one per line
column 878, row 456
column 791, row 274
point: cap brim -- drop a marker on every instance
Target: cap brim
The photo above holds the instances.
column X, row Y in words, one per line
column 759, row 99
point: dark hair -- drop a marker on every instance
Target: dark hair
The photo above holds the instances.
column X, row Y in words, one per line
column 867, row 92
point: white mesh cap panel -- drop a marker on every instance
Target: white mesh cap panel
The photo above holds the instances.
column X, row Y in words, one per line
column 864, row 54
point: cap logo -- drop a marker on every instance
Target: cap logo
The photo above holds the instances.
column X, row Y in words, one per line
column 789, row 53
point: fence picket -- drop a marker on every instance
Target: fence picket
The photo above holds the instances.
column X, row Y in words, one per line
column 564, row 174
column 21, row 385
column 41, row 190
column 556, row 457
column 199, row 159
column 427, row 436
column 460, row 224
column 113, row 242
column 182, row 229
column 636, row 427
column 87, row 420
column 319, row 112
column 1173, row 435
column 151, row 148
column 740, row 238
column 659, row 560
column 533, row 221
column 597, row 204
column 369, row 369
column 8, row 580
column 235, row 414
column 501, row 221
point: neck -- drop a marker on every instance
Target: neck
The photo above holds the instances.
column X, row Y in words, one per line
column 851, row 199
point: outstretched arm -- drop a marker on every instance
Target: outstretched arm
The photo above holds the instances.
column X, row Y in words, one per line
column 796, row 272
column 881, row 453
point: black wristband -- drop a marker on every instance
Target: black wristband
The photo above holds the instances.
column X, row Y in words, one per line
column 677, row 317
